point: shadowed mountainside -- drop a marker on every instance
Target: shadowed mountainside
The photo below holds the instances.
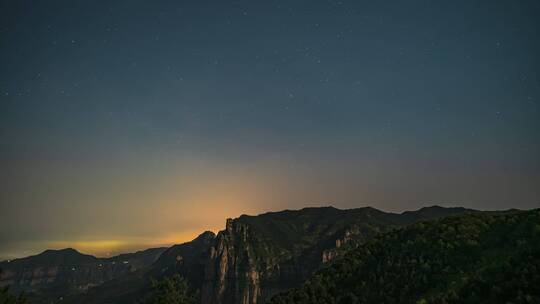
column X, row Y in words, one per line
column 252, row 259
column 255, row 257
column 474, row 258
column 187, row 259
column 53, row 274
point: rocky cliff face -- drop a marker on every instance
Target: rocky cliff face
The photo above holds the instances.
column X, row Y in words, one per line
column 244, row 267
column 256, row 257
column 252, row 259
column 232, row 271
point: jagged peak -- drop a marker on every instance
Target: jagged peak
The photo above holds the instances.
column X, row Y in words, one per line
column 206, row 235
column 203, row 237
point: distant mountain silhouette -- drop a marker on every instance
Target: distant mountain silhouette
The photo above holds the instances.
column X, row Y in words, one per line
column 58, row 273
column 68, row 256
column 188, row 259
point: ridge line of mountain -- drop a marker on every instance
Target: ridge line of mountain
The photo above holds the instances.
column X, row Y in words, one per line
column 251, row 259
column 72, row 250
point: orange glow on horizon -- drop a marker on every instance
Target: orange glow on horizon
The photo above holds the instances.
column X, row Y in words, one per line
column 164, row 212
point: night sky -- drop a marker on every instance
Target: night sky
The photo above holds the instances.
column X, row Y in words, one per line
column 130, row 124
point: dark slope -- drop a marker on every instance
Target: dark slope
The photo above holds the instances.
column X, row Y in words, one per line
column 475, row 258
column 297, row 229
column 186, row 259
column 56, row 273
column 68, row 256
column 139, row 259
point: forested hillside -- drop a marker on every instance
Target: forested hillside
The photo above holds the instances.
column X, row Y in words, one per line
column 473, row 258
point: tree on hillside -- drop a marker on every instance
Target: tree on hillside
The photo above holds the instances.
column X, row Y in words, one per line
column 7, row 298
column 171, row 290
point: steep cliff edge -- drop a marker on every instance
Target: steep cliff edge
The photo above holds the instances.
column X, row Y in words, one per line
column 256, row 257
column 233, row 269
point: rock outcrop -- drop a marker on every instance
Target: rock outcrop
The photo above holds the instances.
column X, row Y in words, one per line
column 251, row 260
column 256, row 257
column 232, row 271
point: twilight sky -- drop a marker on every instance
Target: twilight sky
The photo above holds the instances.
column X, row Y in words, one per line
column 130, row 124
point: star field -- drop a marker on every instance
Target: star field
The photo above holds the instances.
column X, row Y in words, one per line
column 116, row 114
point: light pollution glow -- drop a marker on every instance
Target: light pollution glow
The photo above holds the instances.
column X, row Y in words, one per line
column 126, row 125
column 134, row 206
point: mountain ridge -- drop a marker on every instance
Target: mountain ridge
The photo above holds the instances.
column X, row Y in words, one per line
column 257, row 256
column 54, row 273
column 71, row 249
